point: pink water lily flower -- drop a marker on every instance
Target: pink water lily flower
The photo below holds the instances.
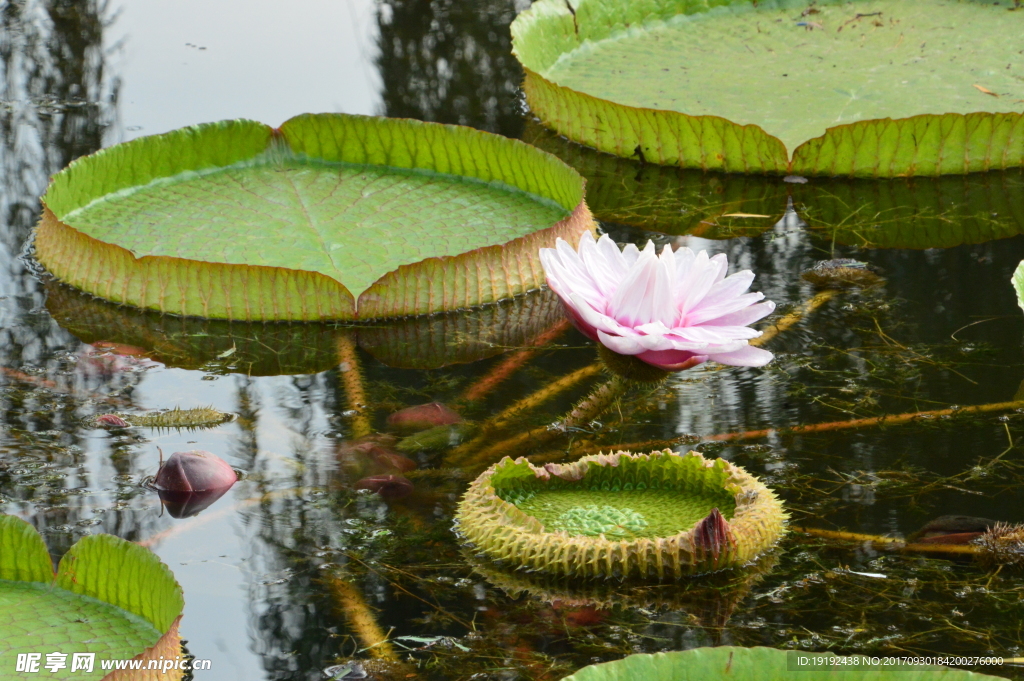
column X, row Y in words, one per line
column 673, row 311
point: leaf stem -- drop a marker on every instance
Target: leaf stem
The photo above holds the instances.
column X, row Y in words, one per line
column 886, row 420
column 351, row 374
column 507, row 366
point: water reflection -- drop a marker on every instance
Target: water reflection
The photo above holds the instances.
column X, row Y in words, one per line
column 451, row 62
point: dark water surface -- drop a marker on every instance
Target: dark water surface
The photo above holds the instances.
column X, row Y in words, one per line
column 264, row 569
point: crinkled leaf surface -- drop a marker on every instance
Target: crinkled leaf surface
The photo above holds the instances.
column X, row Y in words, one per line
column 628, row 68
column 108, row 597
column 329, row 217
column 351, row 223
column 760, row 664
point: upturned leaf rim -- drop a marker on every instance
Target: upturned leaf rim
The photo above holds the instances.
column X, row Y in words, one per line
column 243, row 292
column 507, row 535
column 928, row 144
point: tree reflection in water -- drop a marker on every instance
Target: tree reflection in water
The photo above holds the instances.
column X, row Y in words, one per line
column 451, row 62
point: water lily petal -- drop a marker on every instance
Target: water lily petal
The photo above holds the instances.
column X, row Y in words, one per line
column 722, row 261
column 697, row 284
column 566, row 273
column 633, row 303
column 596, row 320
column 747, row 315
column 748, row 356
column 707, row 315
column 630, row 254
column 728, row 288
column 672, row 360
column 620, row 344
column 606, row 269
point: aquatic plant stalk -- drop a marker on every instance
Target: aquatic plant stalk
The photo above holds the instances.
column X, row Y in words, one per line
column 352, row 378
column 888, row 420
column 586, row 410
column 360, row 619
column 506, row 367
column 795, row 316
column 892, row 542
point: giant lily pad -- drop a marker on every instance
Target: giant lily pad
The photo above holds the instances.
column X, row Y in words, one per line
column 327, row 217
column 108, row 597
column 658, row 515
column 259, row 349
column 760, row 664
column 861, row 88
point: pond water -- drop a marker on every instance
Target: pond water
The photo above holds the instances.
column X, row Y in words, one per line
column 268, row 569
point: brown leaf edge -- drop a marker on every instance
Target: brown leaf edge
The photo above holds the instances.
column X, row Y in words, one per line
column 187, row 287
column 167, row 647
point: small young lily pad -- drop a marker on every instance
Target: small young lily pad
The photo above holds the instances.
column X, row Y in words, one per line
column 329, row 216
column 108, row 597
column 660, row 515
column 876, row 88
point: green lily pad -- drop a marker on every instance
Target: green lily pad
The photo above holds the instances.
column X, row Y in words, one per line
column 660, row 515
column 108, row 597
column 328, row 217
column 920, row 212
column 258, row 349
column 763, row 664
column 863, row 88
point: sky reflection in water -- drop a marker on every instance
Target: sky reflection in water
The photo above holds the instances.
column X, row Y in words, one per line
column 258, row 604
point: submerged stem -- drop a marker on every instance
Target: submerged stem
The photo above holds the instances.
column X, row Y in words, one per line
column 510, row 364
column 887, row 420
column 590, row 407
column 964, row 549
column 360, row 619
column 795, row 316
column 352, row 378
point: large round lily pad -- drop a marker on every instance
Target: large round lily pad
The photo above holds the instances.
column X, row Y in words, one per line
column 863, row 88
column 761, row 664
column 659, row 515
column 109, row 597
column 327, row 217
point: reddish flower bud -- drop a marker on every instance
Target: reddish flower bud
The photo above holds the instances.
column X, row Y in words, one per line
column 195, row 471
column 423, row 416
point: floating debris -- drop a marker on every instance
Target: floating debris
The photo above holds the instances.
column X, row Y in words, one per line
column 843, row 273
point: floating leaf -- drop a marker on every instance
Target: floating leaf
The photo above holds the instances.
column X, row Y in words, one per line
column 109, row 597
column 760, row 664
column 327, row 217
column 621, row 515
column 883, row 89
